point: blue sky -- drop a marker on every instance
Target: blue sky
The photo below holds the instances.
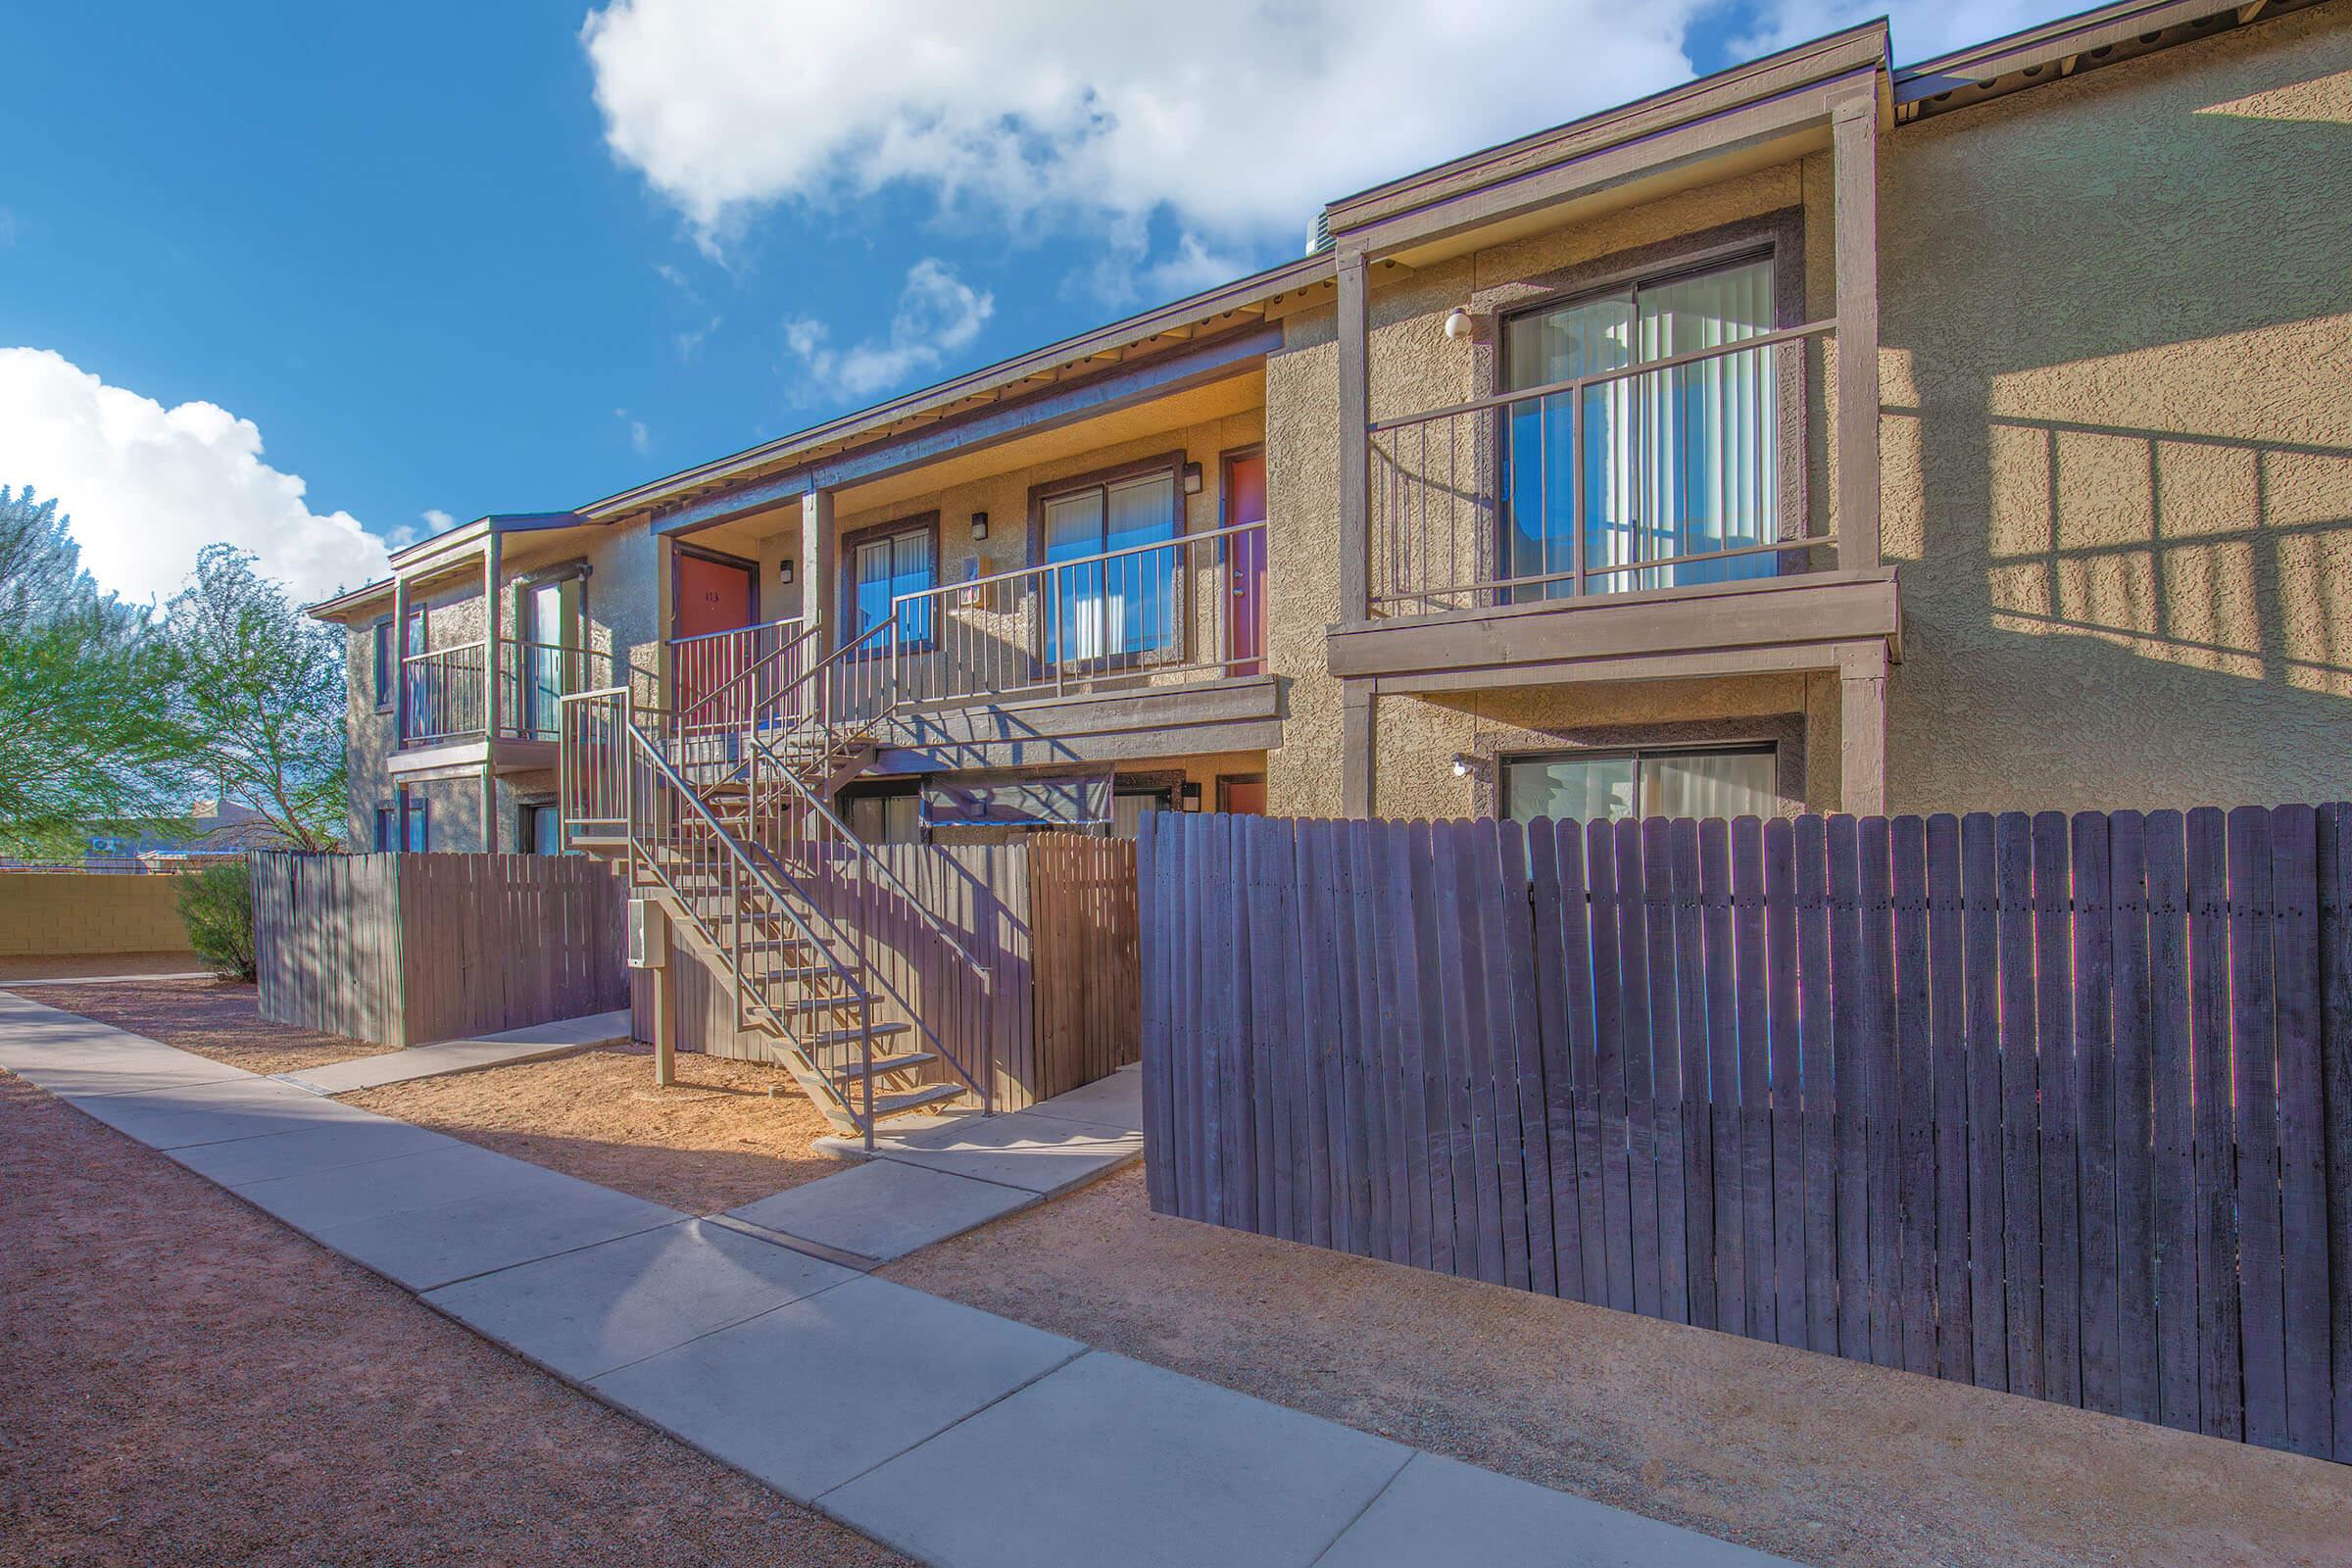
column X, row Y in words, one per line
column 313, row 276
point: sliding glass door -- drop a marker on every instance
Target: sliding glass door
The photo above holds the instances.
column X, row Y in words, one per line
column 1668, row 464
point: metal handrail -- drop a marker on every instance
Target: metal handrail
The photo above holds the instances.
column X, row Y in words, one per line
column 1628, row 372
column 686, row 715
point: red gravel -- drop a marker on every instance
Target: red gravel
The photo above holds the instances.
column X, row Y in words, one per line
column 184, row 1381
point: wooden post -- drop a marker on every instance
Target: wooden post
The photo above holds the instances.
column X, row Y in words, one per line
column 399, row 662
column 816, row 565
column 493, row 625
column 1862, row 730
column 1356, row 748
column 666, row 625
column 1355, row 440
column 1854, row 166
column 665, row 1013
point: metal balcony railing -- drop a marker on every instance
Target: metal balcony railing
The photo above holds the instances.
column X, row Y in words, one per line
column 448, row 700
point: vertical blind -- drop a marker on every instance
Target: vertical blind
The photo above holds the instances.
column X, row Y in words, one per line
column 1123, row 606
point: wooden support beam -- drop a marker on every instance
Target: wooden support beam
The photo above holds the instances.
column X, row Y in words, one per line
column 400, row 660
column 490, row 830
column 493, row 647
column 1862, row 731
column 1355, row 440
column 816, row 569
column 1854, row 169
column 1356, row 748
column 666, row 1012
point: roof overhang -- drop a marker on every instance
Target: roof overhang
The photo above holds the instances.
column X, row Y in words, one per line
column 440, row 554
column 1754, row 115
column 2105, row 37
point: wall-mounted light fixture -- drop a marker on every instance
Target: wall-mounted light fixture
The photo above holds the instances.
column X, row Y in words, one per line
column 1191, row 478
column 1459, row 325
column 1465, row 765
column 979, row 525
column 784, row 570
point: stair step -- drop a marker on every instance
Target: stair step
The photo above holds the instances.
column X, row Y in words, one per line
column 821, row 1004
column 883, row 1065
column 850, row 1036
column 914, row 1099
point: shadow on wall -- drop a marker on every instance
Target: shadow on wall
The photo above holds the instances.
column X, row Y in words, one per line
column 2119, row 335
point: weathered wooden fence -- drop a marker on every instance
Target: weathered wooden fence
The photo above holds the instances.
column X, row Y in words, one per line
column 406, row 949
column 2056, row 1106
column 1088, row 975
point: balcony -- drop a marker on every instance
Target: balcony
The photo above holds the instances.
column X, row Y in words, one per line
column 453, row 714
column 1672, row 512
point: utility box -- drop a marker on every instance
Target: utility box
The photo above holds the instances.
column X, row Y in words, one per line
column 648, row 935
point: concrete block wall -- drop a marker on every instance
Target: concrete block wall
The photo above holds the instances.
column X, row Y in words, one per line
column 65, row 912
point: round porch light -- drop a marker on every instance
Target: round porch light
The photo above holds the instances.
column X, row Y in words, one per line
column 1457, row 325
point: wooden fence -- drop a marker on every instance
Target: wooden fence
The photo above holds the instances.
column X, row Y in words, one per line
column 1088, row 972
column 408, row 949
column 2056, row 1106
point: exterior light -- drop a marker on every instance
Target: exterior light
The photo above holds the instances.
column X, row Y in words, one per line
column 1191, row 478
column 1459, row 324
column 1464, row 764
column 979, row 525
column 784, row 570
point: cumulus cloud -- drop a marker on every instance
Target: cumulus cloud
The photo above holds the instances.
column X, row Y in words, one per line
column 436, row 519
column 937, row 314
column 149, row 486
column 641, row 439
column 1238, row 118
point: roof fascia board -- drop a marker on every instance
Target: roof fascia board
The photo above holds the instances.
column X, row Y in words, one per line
column 1240, row 295
column 1729, row 130
column 1146, row 382
column 1976, row 69
column 1838, row 55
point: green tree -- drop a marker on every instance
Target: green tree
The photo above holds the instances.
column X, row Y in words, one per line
column 86, row 726
column 260, row 697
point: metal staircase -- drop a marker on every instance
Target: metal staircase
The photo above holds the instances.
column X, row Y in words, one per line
column 721, row 811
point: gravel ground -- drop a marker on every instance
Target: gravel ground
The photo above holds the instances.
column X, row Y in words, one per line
column 21, row 966
column 1819, row 1459
column 184, row 1381
column 710, row 1142
column 216, row 1018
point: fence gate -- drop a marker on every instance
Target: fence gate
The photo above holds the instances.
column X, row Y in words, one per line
column 1088, row 971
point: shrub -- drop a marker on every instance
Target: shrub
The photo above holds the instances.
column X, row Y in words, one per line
column 217, row 905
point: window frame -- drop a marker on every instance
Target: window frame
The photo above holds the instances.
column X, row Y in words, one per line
column 846, row 563
column 384, row 670
column 1765, row 746
column 1180, row 589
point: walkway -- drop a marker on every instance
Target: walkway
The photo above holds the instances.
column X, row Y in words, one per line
column 959, row 1436
column 539, row 1040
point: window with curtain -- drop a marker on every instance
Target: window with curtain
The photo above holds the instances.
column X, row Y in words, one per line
column 1674, row 463
column 885, row 564
column 1125, row 606
column 1586, row 786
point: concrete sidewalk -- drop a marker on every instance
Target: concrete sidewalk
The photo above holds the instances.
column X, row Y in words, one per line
column 959, row 1436
column 539, row 1040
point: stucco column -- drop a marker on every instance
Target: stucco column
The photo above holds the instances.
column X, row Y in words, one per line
column 1862, row 730
column 1355, row 442
column 816, row 566
column 1356, row 748
column 1854, row 167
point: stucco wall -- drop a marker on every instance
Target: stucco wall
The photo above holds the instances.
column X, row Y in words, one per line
column 2117, row 364
column 63, row 913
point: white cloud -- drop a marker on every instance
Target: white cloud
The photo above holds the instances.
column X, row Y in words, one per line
column 1919, row 30
column 1239, row 118
column 149, row 486
column 938, row 314
column 689, row 343
column 640, row 439
column 436, row 519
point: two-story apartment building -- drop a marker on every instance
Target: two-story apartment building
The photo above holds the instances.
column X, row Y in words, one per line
column 1819, row 434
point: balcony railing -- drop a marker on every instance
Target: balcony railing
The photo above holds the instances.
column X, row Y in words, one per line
column 1168, row 613
column 731, row 680
column 1680, row 472
column 449, row 701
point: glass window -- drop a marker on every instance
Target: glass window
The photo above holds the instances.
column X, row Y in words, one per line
column 884, row 565
column 1581, row 786
column 883, row 816
column 542, row 830
column 382, row 660
column 1127, row 809
column 1125, row 606
column 1678, row 462
column 418, row 828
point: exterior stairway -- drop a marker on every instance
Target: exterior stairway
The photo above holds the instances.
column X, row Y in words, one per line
column 727, row 828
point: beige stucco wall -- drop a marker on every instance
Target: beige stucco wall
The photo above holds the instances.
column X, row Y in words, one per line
column 63, row 913
column 2117, row 364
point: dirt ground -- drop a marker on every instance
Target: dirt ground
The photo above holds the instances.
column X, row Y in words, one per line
column 216, row 1018
column 183, row 1380
column 710, row 1142
column 25, row 966
column 1818, row 1459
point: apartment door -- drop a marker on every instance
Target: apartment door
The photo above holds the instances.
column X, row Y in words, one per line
column 715, row 594
column 1246, row 564
column 552, row 644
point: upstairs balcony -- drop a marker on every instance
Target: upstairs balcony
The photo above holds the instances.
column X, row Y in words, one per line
column 458, row 708
column 1665, row 513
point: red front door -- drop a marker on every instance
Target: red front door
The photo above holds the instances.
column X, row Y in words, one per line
column 713, row 595
column 1246, row 566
